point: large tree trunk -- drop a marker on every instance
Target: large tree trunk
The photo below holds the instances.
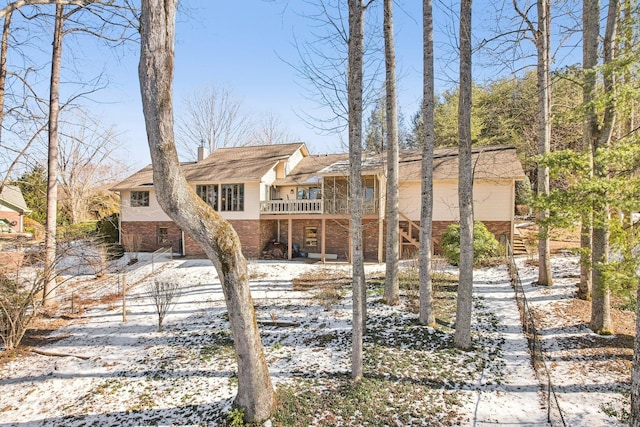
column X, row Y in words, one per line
column 544, row 135
column 427, row 315
column 590, row 34
column 462, row 337
column 635, row 374
column 354, row 93
column 52, row 171
column 216, row 236
column 391, row 287
column 601, row 304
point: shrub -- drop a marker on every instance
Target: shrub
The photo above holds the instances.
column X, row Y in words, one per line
column 485, row 244
column 107, row 227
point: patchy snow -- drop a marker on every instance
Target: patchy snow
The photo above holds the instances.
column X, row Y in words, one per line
column 133, row 375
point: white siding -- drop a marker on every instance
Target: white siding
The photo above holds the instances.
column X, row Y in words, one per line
column 269, row 177
column 4, row 208
column 493, row 200
column 153, row 212
column 293, row 161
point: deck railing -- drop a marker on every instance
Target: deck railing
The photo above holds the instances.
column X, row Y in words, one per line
column 317, row 206
column 291, row 206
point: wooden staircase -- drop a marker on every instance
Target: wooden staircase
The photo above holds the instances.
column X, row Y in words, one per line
column 409, row 236
column 410, row 239
column 518, row 247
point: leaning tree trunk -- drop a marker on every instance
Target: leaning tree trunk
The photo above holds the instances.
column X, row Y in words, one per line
column 52, row 171
column 354, row 92
column 391, row 286
column 216, row 236
column 544, row 135
column 427, row 315
column 462, row 336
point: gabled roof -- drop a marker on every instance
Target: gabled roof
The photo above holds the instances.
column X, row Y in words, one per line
column 251, row 163
column 488, row 162
column 248, row 163
column 11, row 196
column 309, row 169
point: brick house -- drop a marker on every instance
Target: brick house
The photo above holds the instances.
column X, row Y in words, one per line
column 282, row 193
column 13, row 208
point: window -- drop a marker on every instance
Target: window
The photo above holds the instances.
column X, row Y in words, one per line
column 312, row 193
column 232, row 197
column 311, row 237
column 139, row 198
column 163, row 235
column 208, row 193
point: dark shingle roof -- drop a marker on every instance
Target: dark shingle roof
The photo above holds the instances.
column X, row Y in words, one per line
column 489, row 162
column 253, row 162
column 248, row 163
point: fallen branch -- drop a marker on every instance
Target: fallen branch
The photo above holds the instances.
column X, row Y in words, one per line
column 55, row 354
column 277, row 323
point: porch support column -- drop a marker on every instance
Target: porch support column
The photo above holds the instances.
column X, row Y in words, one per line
column 289, row 238
column 322, row 240
column 381, row 234
column 350, row 254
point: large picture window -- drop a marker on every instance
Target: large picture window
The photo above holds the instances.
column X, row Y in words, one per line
column 139, row 198
column 232, row 197
column 208, row 193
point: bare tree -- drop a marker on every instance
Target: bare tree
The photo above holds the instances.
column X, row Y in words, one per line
column 180, row 202
column 20, row 304
column 323, row 63
column 164, row 294
column 391, row 287
column 542, row 39
column 427, row 316
column 269, row 130
column 462, row 337
column 355, row 88
column 52, row 169
column 212, row 117
column 591, row 33
column 85, row 160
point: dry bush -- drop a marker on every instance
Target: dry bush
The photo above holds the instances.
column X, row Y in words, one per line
column 164, row 294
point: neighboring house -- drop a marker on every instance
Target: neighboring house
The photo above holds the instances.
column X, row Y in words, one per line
column 12, row 210
column 281, row 193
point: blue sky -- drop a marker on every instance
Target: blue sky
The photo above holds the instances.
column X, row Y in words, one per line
column 244, row 46
column 248, row 47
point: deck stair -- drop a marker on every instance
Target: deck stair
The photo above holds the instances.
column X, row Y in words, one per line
column 519, row 247
column 409, row 235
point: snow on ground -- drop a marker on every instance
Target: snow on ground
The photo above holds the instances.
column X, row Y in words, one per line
column 133, row 375
column 591, row 373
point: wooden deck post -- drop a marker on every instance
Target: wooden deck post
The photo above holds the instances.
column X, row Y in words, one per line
column 289, row 238
column 322, row 245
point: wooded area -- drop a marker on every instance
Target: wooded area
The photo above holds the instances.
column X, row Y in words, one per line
column 575, row 127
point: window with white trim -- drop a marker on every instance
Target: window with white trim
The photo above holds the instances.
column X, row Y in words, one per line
column 139, row 199
column 231, row 197
column 208, row 193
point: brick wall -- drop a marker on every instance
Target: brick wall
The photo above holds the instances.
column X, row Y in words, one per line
column 254, row 235
column 12, row 216
column 148, row 232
